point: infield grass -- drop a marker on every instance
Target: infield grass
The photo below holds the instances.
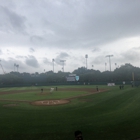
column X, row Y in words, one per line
column 110, row 115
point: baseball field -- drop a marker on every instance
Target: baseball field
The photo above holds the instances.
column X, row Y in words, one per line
column 50, row 113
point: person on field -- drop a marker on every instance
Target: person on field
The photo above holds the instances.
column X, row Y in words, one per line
column 97, row 89
column 78, row 135
column 120, row 87
column 42, row 90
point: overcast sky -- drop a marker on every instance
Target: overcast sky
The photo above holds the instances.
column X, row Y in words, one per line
column 33, row 32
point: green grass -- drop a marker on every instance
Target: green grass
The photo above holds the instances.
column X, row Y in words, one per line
column 110, row 115
column 33, row 94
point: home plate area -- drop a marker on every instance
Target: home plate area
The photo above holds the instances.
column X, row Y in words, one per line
column 50, row 102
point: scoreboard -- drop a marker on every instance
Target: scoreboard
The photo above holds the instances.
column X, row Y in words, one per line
column 72, row 78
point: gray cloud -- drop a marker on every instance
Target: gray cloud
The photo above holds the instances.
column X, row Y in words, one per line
column 129, row 56
column 62, row 26
column 32, row 61
column 61, row 56
column 47, row 61
column 37, row 39
column 20, row 57
column 74, row 24
column 11, row 21
column 9, row 52
column 96, row 49
column 31, row 50
column 93, row 22
column 132, row 55
column 1, row 52
column 99, row 60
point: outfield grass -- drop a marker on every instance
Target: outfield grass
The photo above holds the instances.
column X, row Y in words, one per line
column 110, row 115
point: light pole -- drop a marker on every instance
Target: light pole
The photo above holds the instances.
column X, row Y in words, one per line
column 63, row 62
column 109, row 60
column 53, row 65
column 17, row 67
column 116, row 65
column 14, row 66
column 105, row 66
column 86, row 56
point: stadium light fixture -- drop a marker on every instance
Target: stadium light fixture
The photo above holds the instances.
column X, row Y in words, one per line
column 63, row 62
column 53, row 64
column 86, row 56
column 14, row 66
column 109, row 60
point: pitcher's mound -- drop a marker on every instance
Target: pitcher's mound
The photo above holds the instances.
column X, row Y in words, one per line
column 50, row 102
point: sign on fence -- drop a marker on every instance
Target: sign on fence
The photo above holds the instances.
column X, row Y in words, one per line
column 111, row 84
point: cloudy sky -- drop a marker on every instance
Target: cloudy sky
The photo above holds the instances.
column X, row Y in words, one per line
column 33, row 32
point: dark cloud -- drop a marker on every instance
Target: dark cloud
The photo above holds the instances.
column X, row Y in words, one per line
column 11, row 21
column 47, row 61
column 32, row 61
column 77, row 25
column 73, row 24
column 92, row 23
column 61, row 56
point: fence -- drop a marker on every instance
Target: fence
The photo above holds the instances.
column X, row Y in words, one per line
column 137, row 83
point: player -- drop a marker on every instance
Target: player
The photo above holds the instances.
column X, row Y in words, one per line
column 97, row 88
column 42, row 90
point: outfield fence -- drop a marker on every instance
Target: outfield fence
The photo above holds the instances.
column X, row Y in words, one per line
column 137, row 83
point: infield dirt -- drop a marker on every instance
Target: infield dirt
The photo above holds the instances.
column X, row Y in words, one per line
column 51, row 101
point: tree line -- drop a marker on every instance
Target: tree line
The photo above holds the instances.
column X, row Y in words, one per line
column 125, row 73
